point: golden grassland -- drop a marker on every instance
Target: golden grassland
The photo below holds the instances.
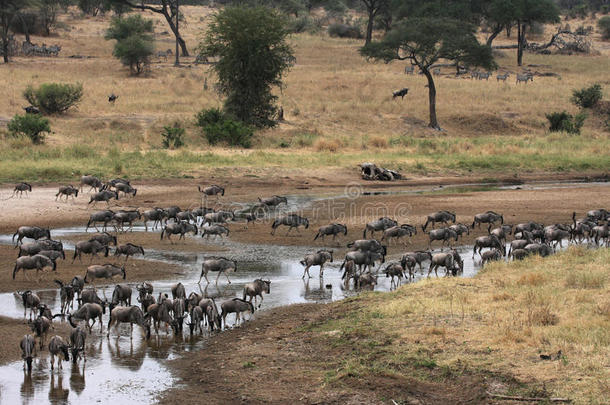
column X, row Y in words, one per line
column 334, row 102
column 498, row 322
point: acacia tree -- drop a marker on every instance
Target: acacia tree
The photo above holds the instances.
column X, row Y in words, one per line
column 373, row 8
column 424, row 41
column 9, row 9
column 528, row 12
column 253, row 55
column 134, row 44
column 167, row 8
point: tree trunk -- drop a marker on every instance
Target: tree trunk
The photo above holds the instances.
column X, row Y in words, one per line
column 26, row 31
column 369, row 27
column 520, row 32
column 432, row 100
column 177, row 62
column 494, row 34
column 174, row 29
column 509, row 30
column 5, row 38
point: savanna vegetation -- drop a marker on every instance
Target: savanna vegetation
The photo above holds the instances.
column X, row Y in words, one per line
column 333, row 100
column 536, row 328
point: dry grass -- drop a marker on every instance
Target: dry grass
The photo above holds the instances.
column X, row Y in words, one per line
column 498, row 322
column 331, row 94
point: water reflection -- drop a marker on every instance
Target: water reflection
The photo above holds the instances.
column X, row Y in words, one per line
column 57, row 393
column 77, row 378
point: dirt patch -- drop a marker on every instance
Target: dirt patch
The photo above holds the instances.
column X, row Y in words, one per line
column 483, row 124
column 136, row 269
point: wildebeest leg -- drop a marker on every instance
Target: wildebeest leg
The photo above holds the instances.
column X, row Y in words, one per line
column 226, row 276
column 289, row 229
column 130, row 330
column 322, row 270
column 218, row 276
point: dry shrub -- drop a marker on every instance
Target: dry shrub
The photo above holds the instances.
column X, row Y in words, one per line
column 329, row 145
column 434, row 330
column 483, row 124
column 531, row 279
column 502, row 297
column 542, row 316
column 603, row 309
column 379, row 142
column 585, row 280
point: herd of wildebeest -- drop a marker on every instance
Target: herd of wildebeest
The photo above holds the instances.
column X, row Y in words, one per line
column 199, row 311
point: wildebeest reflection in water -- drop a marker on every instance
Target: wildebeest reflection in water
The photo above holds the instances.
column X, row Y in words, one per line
column 127, row 356
column 317, row 292
column 57, row 393
column 77, row 378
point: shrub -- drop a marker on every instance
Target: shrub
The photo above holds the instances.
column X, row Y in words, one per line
column 134, row 44
column 219, row 128
column 587, row 97
column 31, row 125
column 604, row 26
column 344, row 31
column 299, row 25
column 54, row 98
column 172, row 136
column 564, row 122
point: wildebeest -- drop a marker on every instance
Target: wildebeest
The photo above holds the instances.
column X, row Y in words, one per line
column 599, row 233
column 291, row 221
column 91, row 247
column 78, row 283
column 87, row 312
column 31, row 110
column 460, row 229
column 539, row 249
column 394, row 270
column 40, row 327
column 219, row 264
column 77, row 344
column 38, row 262
column 366, row 280
column 362, row 259
column 236, row 306
column 501, row 233
column 53, row 255
column 107, row 271
column 418, row 256
column 556, row 235
column 490, row 255
column 599, row 215
column 186, row 216
column 332, row 229
column 122, row 217
column 114, row 182
column 104, row 238
column 29, row 300
column 104, row 195
column 90, row 296
column 179, row 309
column 446, row 260
column 67, row 191
column 519, row 254
column 442, row 234
column 367, row 245
column 100, row 216
column 256, row 288
column 131, row 315
column 160, row 312
column 215, row 229
column 398, row 232
column 178, row 291
column 28, row 351
column 21, row 188
column 488, row 217
column 196, row 318
column 439, row 216
column 145, row 291
column 380, row 224
column 212, row 190
column 129, row 249
column 178, row 228
column 489, row 241
column 32, row 232
column 172, row 212
column 121, row 295
column 273, row 201
column 66, row 295
column 93, row 182
column 400, row 93
column 126, row 189
column 527, row 226
column 59, row 348
column 156, row 215
column 316, row 259
column 218, row 217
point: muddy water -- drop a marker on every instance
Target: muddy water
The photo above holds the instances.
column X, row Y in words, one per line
column 120, row 370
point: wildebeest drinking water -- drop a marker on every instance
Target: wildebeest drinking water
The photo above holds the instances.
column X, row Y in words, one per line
column 59, row 348
column 77, row 344
column 129, row 315
column 316, row 259
column 87, row 312
column 28, row 351
column 256, row 288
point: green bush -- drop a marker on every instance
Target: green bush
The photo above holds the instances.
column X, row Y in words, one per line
column 604, row 26
column 299, row 25
column 344, row 31
column 587, row 97
column 54, row 98
column 31, row 125
column 219, row 128
column 134, row 44
column 172, row 136
column 564, row 122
